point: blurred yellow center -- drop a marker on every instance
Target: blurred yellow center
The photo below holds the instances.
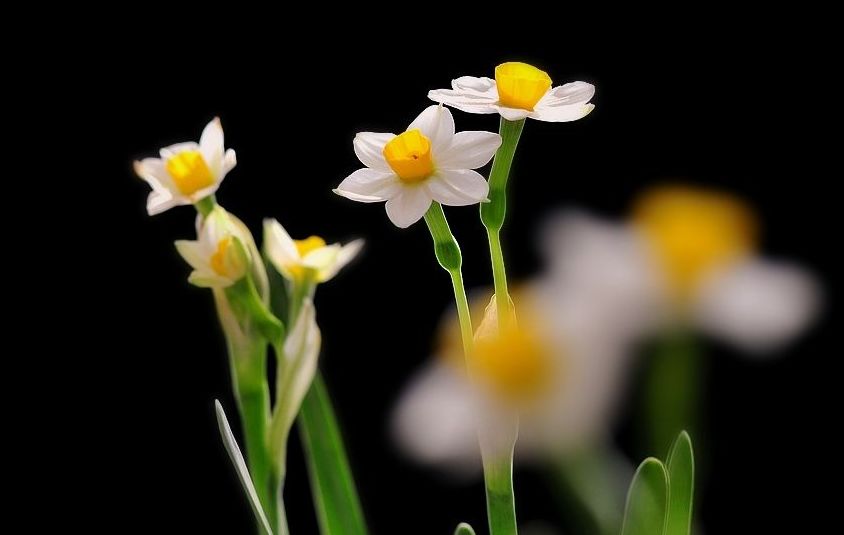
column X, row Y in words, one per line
column 309, row 244
column 218, row 259
column 189, row 171
column 409, row 155
column 516, row 364
column 520, row 85
column 694, row 232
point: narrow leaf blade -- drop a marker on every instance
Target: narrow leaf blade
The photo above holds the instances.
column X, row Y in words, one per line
column 464, row 529
column 240, row 467
column 681, row 473
column 647, row 500
column 335, row 497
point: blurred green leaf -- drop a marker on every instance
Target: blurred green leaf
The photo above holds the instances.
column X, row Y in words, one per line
column 647, row 500
column 681, row 473
column 464, row 529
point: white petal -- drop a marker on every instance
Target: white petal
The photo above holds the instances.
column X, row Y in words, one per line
column 322, row 258
column 161, row 201
column 437, row 124
column 457, row 187
column 229, row 161
column 562, row 114
column 369, row 185
column 469, row 150
column 567, row 95
column 512, row 114
column 758, row 305
column 434, row 420
column 172, row 150
column 209, row 279
column 194, row 253
column 462, row 102
column 408, row 206
column 211, row 146
column 369, row 148
column 473, row 86
column 346, row 254
column 280, row 248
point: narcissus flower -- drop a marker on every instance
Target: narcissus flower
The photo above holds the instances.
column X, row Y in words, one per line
column 689, row 256
column 219, row 256
column 562, row 371
column 187, row 172
column 518, row 91
column 296, row 259
column 426, row 163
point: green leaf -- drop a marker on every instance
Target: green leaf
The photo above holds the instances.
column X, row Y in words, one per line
column 646, row 512
column 464, row 529
column 335, row 497
column 681, row 473
column 240, row 467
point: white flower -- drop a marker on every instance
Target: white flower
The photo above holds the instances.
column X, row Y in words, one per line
column 296, row 258
column 428, row 162
column 219, row 256
column 439, row 416
column 687, row 257
column 518, row 91
column 187, row 172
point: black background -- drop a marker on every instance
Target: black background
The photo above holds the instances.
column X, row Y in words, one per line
column 741, row 116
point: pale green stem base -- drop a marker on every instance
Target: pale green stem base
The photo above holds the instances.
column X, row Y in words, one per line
column 500, row 500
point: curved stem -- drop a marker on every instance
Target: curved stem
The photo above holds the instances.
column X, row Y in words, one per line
column 494, row 212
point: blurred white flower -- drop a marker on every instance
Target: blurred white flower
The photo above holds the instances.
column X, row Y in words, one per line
column 428, row 162
column 686, row 257
column 565, row 403
column 219, row 257
column 518, row 91
column 295, row 259
column 187, row 172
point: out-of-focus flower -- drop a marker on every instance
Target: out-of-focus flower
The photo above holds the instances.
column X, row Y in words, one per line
column 187, row 172
column 311, row 257
column 219, row 256
column 563, row 381
column 428, row 162
column 687, row 257
column 518, row 91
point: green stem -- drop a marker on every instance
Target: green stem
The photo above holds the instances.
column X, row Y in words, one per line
column 335, row 498
column 500, row 499
column 494, row 212
column 204, row 206
column 253, row 401
column 502, row 296
column 448, row 255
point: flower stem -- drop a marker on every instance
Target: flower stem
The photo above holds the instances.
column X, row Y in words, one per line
column 253, row 401
column 500, row 500
column 448, row 255
column 204, row 206
column 494, row 212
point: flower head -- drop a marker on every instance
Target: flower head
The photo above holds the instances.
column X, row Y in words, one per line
column 426, row 163
column 187, row 172
column 219, row 256
column 519, row 90
column 694, row 232
column 296, row 259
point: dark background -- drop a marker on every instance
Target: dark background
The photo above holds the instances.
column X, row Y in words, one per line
column 741, row 116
